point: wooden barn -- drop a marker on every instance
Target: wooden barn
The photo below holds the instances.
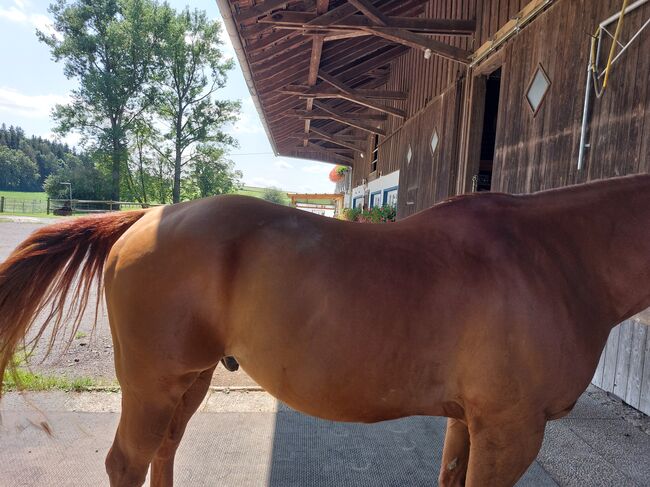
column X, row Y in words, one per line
column 426, row 99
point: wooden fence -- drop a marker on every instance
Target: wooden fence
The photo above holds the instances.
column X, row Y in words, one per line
column 624, row 367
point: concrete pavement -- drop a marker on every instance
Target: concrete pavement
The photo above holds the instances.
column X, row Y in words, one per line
column 247, row 439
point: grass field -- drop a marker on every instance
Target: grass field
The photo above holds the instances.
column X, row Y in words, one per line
column 24, row 203
column 24, row 196
column 258, row 193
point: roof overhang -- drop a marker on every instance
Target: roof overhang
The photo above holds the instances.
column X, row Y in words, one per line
column 315, row 68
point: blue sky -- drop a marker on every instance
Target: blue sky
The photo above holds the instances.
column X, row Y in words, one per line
column 31, row 84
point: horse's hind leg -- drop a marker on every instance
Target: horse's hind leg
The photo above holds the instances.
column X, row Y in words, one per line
column 148, row 407
column 502, row 451
column 162, row 466
column 455, row 455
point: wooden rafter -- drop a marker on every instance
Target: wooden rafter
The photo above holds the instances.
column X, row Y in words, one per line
column 331, row 138
column 322, row 114
column 370, row 11
column 332, row 150
column 323, row 91
column 419, row 41
column 261, row 9
column 448, row 27
column 316, row 54
column 349, row 94
column 346, row 119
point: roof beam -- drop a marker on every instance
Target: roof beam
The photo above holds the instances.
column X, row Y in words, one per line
column 325, row 114
column 322, row 91
column 330, row 138
column 352, row 122
column 261, row 9
column 347, row 93
column 449, row 27
column 370, row 11
column 419, row 41
column 314, row 64
column 331, row 150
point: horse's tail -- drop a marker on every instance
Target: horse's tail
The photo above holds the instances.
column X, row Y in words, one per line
column 42, row 272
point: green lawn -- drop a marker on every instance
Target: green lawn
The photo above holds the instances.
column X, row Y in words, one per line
column 23, row 195
column 257, row 193
column 24, row 203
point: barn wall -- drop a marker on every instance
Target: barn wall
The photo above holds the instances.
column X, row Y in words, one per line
column 431, row 177
column 536, row 152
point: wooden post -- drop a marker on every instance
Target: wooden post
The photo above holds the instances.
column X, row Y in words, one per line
column 47, row 210
column 2, row 204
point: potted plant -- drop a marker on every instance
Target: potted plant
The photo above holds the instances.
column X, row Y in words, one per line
column 338, row 173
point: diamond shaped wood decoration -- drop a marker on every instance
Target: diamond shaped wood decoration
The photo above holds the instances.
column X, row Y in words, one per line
column 409, row 155
column 537, row 89
column 434, row 141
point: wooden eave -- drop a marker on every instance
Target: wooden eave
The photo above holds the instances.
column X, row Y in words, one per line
column 318, row 67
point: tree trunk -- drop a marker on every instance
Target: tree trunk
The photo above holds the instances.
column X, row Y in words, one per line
column 176, row 190
column 116, row 158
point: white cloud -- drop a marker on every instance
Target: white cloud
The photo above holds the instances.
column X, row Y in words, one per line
column 33, row 106
column 261, row 182
column 19, row 13
column 282, row 164
column 249, row 120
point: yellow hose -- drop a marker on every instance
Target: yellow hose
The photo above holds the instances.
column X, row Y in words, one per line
column 612, row 51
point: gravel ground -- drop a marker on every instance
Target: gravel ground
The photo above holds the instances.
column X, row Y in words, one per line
column 91, row 355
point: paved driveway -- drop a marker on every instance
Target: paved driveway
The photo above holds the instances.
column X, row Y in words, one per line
column 249, row 440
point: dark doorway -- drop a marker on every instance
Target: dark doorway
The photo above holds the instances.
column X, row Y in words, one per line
column 483, row 181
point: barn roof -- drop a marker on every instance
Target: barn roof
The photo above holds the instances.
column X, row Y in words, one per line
column 315, row 68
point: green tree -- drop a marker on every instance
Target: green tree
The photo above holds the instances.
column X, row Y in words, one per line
column 192, row 69
column 109, row 47
column 88, row 182
column 214, row 174
column 17, row 171
column 275, row 195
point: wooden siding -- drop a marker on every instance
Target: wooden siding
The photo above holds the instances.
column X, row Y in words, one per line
column 536, row 152
column 624, row 367
column 425, row 81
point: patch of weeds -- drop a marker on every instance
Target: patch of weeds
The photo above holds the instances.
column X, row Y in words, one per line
column 24, row 379
column 21, row 378
column 80, row 335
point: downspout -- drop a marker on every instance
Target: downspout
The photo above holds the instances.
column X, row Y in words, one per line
column 231, row 28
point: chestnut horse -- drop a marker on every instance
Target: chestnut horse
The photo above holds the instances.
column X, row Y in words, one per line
column 490, row 309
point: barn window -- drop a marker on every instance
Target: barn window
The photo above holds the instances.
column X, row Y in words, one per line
column 409, row 155
column 390, row 196
column 375, row 153
column 537, row 89
column 434, row 141
column 375, row 199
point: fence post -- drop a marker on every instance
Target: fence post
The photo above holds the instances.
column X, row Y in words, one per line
column 47, row 211
column 2, row 204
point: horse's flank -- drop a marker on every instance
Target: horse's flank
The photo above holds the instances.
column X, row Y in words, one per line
column 346, row 321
